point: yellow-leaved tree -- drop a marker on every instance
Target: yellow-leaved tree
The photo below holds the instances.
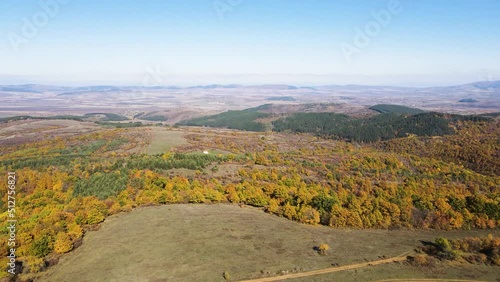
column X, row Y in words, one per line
column 63, row 243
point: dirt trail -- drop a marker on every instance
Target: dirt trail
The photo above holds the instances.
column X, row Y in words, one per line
column 328, row 270
column 427, row 280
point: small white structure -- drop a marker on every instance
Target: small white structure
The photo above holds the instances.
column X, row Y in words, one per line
column 205, row 152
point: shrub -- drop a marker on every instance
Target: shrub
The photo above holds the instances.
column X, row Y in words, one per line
column 196, row 197
column 477, row 258
column 474, row 250
column 443, row 244
column 323, row 248
column 63, row 243
column 95, row 216
column 422, row 260
column 273, row 206
column 309, row 215
column 419, row 260
column 289, row 211
column 35, row 264
column 42, row 246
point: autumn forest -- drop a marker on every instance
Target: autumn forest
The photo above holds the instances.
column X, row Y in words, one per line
column 67, row 184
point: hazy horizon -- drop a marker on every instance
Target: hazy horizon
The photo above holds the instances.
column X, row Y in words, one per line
column 370, row 81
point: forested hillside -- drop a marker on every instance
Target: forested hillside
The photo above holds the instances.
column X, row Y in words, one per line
column 396, row 109
column 242, row 120
column 377, row 128
column 476, row 146
column 393, row 122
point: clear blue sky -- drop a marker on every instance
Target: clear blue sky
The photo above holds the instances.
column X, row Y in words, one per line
column 429, row 42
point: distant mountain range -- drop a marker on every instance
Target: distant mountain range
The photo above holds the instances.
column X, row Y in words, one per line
column 176, row 102
column 38, row 88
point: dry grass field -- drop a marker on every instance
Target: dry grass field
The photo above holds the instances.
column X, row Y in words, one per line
column 24, row 131
column 163, row 140
column 201, row 242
